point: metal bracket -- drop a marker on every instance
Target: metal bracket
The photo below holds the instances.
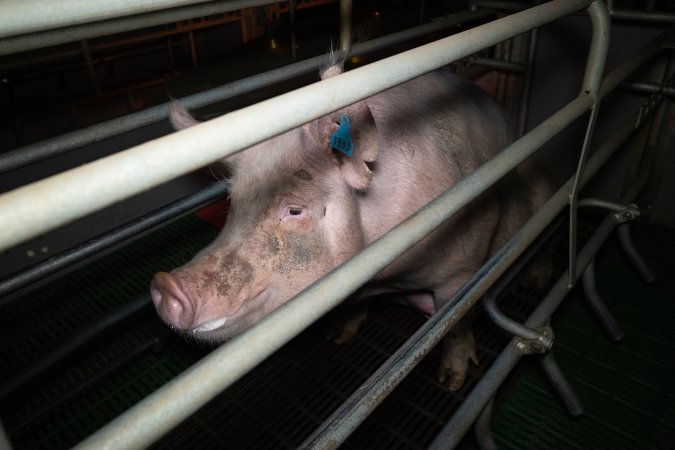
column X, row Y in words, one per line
column 539, row 345
column 622, row 213
column 631, row 212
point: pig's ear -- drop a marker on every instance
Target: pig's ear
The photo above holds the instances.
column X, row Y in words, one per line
column 357, row 168
column 180, row 118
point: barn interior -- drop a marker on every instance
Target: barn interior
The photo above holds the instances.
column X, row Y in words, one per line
column 81, row 343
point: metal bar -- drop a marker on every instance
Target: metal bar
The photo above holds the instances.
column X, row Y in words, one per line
column 648, row 88
column 111, row 238
column 633, row 255
column 23, row 42
column 621, row 72
column 598, row 306
column 501, row 4
column 574, row 193
column 55, row 146
column 21, row 17
column 385, row 379
column 561, row 385
column 482, row 428
column 5, row 444
column 499, row 64
column 593, row 74
column 291, row 13
column 346, row 26
column 509, row 325
column 641, row 16
column 90, row 67
column 41, row 206
column 529, row 77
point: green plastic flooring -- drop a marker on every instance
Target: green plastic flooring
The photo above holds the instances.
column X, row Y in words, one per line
column 627, row 388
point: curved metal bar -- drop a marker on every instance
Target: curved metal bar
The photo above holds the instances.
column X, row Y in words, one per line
column 511, row 326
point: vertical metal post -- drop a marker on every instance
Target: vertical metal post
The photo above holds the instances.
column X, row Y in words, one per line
column 591, row 86
column 482, row 428
column 193, row 48
column 291, row 12
column 529, row 76
column 421, row 12
column 561, row 385
column 345, row 26
column 90, row 66
column 633, row 255
column 5, row 444
column 169, row 54
column 598, row 306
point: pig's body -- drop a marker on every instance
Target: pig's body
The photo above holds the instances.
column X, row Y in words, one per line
column 299, row 209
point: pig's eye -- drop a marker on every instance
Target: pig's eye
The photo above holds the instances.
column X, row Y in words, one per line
column 295, row 211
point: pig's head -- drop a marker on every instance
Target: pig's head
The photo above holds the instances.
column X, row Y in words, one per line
column 293, row 217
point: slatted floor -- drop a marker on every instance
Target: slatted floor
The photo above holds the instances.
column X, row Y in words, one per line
column 279, row 403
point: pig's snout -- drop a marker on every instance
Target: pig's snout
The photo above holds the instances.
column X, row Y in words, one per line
column 172, row 303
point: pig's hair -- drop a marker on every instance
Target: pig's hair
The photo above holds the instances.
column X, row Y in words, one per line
column 334, row 65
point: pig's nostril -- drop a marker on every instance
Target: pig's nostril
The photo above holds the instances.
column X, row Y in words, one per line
column 172, row 303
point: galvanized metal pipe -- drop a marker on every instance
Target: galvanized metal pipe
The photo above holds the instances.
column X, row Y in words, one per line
column 4, row 440
column 640, row 16
column 633, row 255
column 598, row 306
column 34, row 209
column 527, row 82
column 499, row 64
column 648, row 88
column 346, row 26
column 61, row 144
column 99, row 27
column 100, row 243
column 21, row 17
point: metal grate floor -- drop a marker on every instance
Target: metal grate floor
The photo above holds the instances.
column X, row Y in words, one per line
column 284, row 399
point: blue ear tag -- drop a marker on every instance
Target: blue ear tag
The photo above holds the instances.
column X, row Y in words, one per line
column 340, row 140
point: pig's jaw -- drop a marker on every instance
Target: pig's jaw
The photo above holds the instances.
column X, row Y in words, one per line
column 220, row 329
column 210, row 326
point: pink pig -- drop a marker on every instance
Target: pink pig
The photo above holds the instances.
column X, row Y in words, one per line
column 299, row 208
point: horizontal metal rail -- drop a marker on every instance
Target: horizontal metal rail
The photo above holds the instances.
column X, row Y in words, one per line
column 48, row 38
column 176, row 400
column 69, row 141
column 640, row 16
column 614, row 13
column 100, row 243
column 22, row 17
column 41, row 206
